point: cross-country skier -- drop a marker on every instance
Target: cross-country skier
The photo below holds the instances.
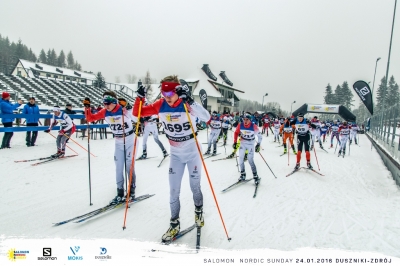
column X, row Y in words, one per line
column 224, row 129
column 334, row 131
column 344, row 132
column 315, row 132
column 120, row 121
column 276, row 126
column 353, row 133
column 150, row 126
column 324, row 129
column 266, row 125
column 67, row 128
column 215, row 124
column 303, row 138
column 288, row 133
column 248, row 131
column 183, row 151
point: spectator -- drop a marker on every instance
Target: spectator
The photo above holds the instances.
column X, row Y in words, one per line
column 93, row 110
column 68, row 109
column 31, row 109
column 7, row 108
column 99, row 108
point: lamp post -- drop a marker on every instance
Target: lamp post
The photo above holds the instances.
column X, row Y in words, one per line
column 373, row 83
column 262, row 106
column 291, row 107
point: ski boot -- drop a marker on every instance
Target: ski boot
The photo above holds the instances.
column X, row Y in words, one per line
column 294, row 151
column 231, row 156
column 144, row 155
column 208, row 152
column 297, row 166
column 242, row 176
column 224, row 143
column 284, row 150
column 340, row 152
column 309, row 166
column 331, row 145
column 312, row 147
column 198, row 216
column 165, row 153
column 256, row 179
column 173, row 230
column 131, row 194
column 58, row 154
column 344, row 152
column 320, row 145
column 214, row 153
column 119, row 198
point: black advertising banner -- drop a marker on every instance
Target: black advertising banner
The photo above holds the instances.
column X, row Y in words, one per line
column 203, row 98
column 365, row 94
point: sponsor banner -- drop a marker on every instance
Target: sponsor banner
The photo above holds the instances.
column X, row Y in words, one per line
column 323, row 108
column 203, row 98
column 365, row 94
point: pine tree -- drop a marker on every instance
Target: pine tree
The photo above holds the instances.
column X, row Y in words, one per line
column 61, row 59
column 53, row 58
column 381, row 94
column 347, row 96
column 48, row 56
column 329, row 96
column 20, row 52
column 43, row 57
column 70, row 60
column 393, row 93
column 100, row 82
column 32, row 57
column 338, row 95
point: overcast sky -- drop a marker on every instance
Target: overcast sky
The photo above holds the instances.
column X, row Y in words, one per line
column 290, row 49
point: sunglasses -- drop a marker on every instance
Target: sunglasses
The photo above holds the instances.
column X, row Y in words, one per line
column 107, row 103
column 167, row 93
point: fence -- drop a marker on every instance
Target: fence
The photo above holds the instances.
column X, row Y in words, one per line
column 385, row 130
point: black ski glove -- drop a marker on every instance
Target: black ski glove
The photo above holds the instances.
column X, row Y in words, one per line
column 235, row 146
column 258, row 147
column 141, row 91
column 47, row 130
column 183, row 93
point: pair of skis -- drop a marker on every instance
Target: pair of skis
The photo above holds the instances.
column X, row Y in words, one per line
column 45, row 159
column 108, row 207
column 240, row 182
column 295, row 170
column 212, row 155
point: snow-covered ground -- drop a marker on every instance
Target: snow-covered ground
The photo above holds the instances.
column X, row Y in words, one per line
column 354, row 207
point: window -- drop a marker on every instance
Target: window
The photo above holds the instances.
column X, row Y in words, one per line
column 55, row 76
column 48, row 75
column 19, row 73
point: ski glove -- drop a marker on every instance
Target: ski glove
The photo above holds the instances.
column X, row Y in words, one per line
column 258, row 147
column 47, row 130
column 235, row 146
column 86, row 102
column 141, row 92
column 183, row 93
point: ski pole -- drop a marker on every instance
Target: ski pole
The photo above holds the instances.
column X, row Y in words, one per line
column 349, row 148
column 316, row 158
column 65, row 144
column 123, row 134
column 79, row 145
column 205, row 169
column 90, row 179
column 288, row 157
column 267, row 164
column 133, row 162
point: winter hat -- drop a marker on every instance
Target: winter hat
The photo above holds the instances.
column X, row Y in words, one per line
column 169, row 86
column 5, row 95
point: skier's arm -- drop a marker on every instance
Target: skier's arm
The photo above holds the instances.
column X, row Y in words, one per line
column 90, row 117
column 148, row 110
column 258, row 133
column 236, row 133
column 199, row 111
column 281, row 129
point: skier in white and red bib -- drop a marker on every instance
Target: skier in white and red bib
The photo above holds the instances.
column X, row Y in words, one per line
column 248, row 132
column 266, row 126
column 344, row 132
column 183, row 151
column 276, row 126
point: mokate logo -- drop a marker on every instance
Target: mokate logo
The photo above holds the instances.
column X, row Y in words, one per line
column 47, row 255
column 15, row 255
column 74, row 251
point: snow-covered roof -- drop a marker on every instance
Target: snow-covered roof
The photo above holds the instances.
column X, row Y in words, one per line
column 52, row 69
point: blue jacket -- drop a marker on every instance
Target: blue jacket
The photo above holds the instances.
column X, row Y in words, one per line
column 7, row 108
column 30, row 110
